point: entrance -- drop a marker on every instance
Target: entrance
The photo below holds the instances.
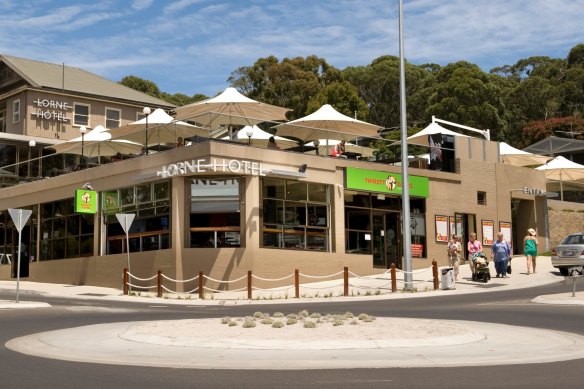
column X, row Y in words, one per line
column 386, row 239
column 464, row 225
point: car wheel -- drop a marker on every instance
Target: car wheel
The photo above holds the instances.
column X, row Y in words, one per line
column 563, row 271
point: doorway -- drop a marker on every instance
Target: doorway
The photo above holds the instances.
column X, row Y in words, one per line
column 386, row 239
column 464, row 225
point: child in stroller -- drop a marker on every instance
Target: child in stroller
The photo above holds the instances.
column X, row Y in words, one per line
column 480, row 267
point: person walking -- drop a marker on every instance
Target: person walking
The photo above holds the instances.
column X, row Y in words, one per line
column 501, row 252
column 530, row 249
column 454, row 252
column 473, row 246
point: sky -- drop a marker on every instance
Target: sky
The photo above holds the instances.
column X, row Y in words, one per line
column 192, row 46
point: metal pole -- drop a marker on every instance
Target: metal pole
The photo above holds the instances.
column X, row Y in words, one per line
column 406, row 233
column 573, row 286
column 146, row 140
column 18, row 262
column 129, row 272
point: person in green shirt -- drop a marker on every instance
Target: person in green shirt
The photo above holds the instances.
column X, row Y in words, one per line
column 530, row 249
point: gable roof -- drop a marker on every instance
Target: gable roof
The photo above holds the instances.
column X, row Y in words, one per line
column 48, row 75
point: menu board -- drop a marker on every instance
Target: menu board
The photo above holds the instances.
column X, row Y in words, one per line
column 441, row 228
column 488, row 228
column 505, row 228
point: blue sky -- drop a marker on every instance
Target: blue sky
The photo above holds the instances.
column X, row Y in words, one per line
column 192, row 46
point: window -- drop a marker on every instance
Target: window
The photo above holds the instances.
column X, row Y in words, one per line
column 3, row 121
column 295, row 215
column 140, row 116
column 16, row 111
column 81, row 115
column 113, row 118
column 9, row 238
column 64, row 233
column 151, row 227
column 482, row 198
column 215, row 219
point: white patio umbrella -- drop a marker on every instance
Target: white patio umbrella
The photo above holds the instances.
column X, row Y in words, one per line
column 328, row 123
column 562, row 169
column 162, row 128
column 516, row 157
column 259, row 137
column 421, row 137
column 325, row 144
column 97, row 143
column 230, row 107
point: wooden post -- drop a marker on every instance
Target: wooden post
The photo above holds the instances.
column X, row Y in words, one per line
column 346, row 282
column 201, row 290
column 296, row 283
column 159, row 284
column 249, row 285
column 393, row 279
column 435, row 274
column 125, row 281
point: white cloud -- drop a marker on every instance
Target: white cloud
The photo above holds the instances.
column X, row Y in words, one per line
column 179, row 5
column 139, row 5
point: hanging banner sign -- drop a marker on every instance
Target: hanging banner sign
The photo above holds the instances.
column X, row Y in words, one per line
column 384, row 182
column 85, row 201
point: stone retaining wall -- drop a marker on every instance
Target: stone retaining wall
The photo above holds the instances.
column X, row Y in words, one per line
column 564, row 218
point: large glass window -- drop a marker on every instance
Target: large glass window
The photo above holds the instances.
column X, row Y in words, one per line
column 81, row 114
column 215, row 219
column 16, row 111
column 64, row 233
column 295, row 215
column 151, row 227
column 113, row 118
column 9, row 238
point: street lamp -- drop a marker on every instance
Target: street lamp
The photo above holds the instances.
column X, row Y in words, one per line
column 249, row 133
column 31, row 144
column 317, row 144
column 146, row 112
column 83, row 131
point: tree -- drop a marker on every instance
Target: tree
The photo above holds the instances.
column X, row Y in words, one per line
column 343, row 97
column 141, row 85
column 569, row 126
column 576, row 56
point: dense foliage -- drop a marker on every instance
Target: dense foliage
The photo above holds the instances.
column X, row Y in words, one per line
column 520, row 103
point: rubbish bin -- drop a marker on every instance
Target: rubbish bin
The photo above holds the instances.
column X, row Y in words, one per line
column 447, row 279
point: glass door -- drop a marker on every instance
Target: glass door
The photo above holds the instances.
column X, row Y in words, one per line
column 379, row 239
column 393, row 242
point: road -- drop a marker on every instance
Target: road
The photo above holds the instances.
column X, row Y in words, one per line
column 508, row 307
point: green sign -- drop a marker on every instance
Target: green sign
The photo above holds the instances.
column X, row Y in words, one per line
column 384, row 182
column 85, row 201
column 110, row 202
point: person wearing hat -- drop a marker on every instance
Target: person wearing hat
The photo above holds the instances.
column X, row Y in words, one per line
column 530, row 249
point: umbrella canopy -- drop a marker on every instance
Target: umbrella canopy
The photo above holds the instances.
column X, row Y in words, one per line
column 328, row 123
column 259, row 137
column 562, row 169
column 421, row 137
column 516, row 157
column 325, row 145
column 230, row 107
column 96, row 143
column 162, row 128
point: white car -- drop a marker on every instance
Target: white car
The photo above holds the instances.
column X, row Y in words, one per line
column 569, row 253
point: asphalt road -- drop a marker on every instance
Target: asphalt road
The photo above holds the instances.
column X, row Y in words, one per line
column 512, row 307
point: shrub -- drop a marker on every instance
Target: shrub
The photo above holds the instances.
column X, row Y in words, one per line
column 258, row 315
column 291, row 321
column 315, row 315
column 248, row 322
column 232, row 323
column 338, row 323
column 225, row 320
column 349, row 315
column 354, row 322
column 309, row 324
column 267, row 320
column 363, row 316
column 277, row 324
column 303, row 313
column 278, row 314
column 292, row 316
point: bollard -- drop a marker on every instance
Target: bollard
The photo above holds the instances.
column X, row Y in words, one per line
column 393, row 279
column 125, row 281
column 249, row 288
column 435, row 274
column 201, row 290
column 296, row 283
column 159, row 284
column 346, row 282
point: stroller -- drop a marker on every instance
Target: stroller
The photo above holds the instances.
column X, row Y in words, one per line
column 480, row 265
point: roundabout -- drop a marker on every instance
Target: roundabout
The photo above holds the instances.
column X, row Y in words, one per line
column 383, row 343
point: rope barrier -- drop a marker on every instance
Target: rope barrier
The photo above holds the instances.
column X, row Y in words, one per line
column 182, row 281
column 130, row 275
column 414, row 271
column 142, row 287
column 272, row 279
column 322, row 287
column 321, row 277
column 225, row 282
column 274, row 289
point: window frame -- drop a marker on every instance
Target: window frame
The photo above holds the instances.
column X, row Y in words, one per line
column 119, row 120
column 75, row 124
column 16, row 112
